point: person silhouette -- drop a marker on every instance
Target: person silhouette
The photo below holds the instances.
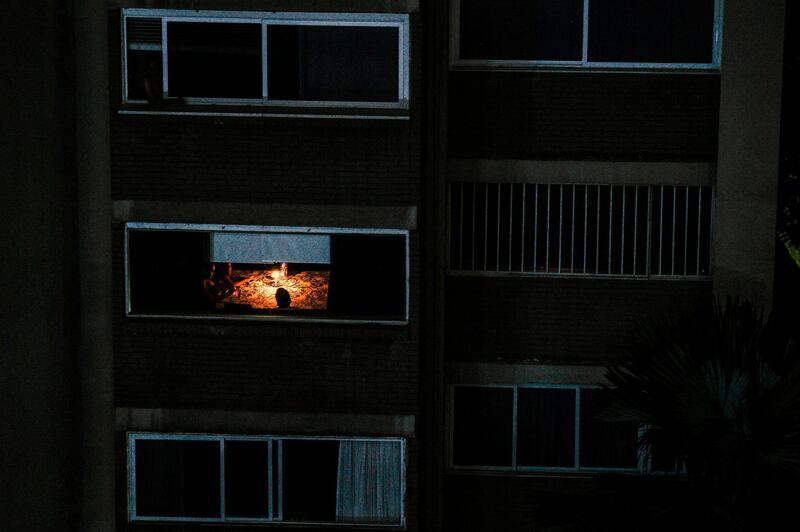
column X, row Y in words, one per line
column 220, row 284
column 283, row 298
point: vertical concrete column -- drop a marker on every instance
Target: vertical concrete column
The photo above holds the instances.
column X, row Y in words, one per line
column 749, row 134
column 39, row 425
column 94, row 235
column 433, row 226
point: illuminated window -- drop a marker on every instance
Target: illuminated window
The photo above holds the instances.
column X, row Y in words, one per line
column 671, row 34
column 280, row 59
column 538, row 428
column 207, row 271
column 266, row 479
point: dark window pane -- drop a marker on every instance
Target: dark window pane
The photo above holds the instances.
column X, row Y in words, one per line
column 144, row 58
column 522, row 29
column 144, row 75
column 663, row 457
column 167, row 269
column 247, row 479
column 368, row 276
column 177, row 478
column 333, row 63
column 651, row 31
column 482, row 420
column 605, row 443
column 310, row 468
column 546, row 427
column 214, row 59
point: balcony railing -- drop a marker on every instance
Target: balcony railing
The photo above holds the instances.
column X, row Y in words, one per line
column 627, row 231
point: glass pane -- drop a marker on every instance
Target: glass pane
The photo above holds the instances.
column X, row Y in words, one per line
column 176, row 478
column 214, row 59
column 546, row 427
column 333, row 63
column 167, row 269
column 651, row 31
column 144, row 75
column 247, row 479
column 368, row 276
column 605, row 443
column 309, row 480
column 545, row 30
column 482, row 419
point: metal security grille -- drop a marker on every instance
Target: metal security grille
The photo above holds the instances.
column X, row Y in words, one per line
column 587, row 230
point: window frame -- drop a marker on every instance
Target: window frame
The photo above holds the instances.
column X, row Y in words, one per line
column 200, row 227
column 457, row 63
column 275, row 445
column 266, row 19
column 514, row 467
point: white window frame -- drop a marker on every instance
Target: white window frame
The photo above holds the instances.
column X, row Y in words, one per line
column 456, row 62
column 275, row 448
column 405, row 233
column 266, row 19
column 514, row 467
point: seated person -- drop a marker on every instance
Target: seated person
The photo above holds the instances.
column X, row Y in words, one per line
column 283, row 298
column 220, row 284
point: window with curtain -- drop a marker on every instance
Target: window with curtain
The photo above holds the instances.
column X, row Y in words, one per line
column 207, row 478
column 369, row 482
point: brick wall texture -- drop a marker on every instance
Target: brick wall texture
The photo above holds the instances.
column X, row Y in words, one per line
column 559, row 320
column 579, row 115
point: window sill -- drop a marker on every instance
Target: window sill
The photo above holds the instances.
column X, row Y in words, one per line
column 578, row 68
column 541, row 473
column 271, row 318
column 253, row 111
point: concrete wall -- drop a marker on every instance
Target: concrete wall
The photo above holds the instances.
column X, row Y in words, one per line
column 580, row 115
column 749, row 134
column 40, row 480
column 562, row 320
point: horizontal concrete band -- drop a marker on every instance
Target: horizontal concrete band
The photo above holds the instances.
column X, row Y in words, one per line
column 581, row 172
column 402, row 217
column 321, row 6
column 490, row 373
column 244, row 422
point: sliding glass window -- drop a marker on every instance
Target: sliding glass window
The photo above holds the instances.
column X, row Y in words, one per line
column 174, row 57
column 600, row 34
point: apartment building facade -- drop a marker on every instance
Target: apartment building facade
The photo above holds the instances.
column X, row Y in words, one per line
column 596, row 160
column 365, row 261
column 284, row 146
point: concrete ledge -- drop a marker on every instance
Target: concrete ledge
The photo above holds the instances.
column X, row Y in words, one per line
column 404, row 217
column 320, row 6
column 486, row 373
column 580, row 172
column 249, row 422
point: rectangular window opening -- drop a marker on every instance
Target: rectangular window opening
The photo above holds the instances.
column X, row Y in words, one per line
column 178, row 58
column 196, row 271
column 266, row 479
column 544, row 428
column 603, row 34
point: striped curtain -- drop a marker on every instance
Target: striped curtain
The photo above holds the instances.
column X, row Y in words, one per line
column 368, row 488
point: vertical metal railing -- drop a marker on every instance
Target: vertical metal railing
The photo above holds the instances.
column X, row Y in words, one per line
column 577, row 229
